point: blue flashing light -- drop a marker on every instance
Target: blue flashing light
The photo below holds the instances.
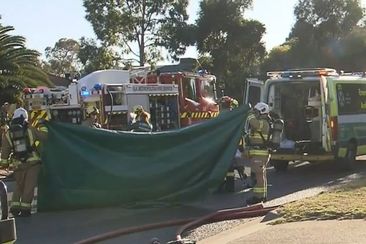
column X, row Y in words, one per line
column 98, row 86
column 85, row 93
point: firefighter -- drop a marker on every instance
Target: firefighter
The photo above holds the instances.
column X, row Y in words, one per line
column 228, row 103
column 4, row 118
column 256, row 147
column 92, row 114
column 140, row 120
column 21, row 148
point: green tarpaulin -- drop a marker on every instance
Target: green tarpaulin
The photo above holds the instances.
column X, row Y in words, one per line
column 85, row 168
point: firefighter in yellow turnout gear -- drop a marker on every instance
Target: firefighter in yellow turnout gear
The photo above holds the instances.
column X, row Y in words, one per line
column 258, row 129
column 21, row 149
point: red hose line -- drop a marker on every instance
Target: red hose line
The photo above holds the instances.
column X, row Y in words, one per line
column 130, row 230
column 197, row 222
column 241, row 215
column 216, row 216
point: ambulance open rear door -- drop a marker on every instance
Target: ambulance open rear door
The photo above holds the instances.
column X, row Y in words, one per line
column 253, row 90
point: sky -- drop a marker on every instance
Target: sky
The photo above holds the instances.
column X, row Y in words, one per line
column 44, row 22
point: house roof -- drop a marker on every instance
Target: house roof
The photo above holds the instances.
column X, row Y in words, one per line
column 59, row 81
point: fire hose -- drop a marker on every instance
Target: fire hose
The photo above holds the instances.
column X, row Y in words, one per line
column 189, row 223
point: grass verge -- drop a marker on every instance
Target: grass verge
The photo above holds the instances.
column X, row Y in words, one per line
column 346, row 202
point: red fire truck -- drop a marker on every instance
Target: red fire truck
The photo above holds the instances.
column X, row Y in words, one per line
column 115, row 97
column 197, row 90
column 115, row 101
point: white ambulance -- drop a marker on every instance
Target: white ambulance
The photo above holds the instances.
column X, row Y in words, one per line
column 324, row 114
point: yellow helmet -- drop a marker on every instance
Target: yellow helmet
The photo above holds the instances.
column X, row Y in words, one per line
column 138, row 109
column 92, row 110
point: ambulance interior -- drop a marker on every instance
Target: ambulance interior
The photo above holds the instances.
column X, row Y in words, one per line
column 298, row 103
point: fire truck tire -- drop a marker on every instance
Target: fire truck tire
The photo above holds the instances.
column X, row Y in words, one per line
column 279, row 165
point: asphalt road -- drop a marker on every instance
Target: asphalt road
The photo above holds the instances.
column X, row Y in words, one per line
column 299, row 181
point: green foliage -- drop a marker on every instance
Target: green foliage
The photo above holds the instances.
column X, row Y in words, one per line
column 96, row 58
column 145, row 23
column 327, row 33
column 19, row 66
column 62, row 58
column 329, row 18
column 233, row 43
column 352, row 50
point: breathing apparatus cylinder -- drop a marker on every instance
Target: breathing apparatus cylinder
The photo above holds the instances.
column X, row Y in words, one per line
column 277, row 128
column 19, row 139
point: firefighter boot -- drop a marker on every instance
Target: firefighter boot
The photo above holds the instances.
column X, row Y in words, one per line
column 230, row 181
column 15, row 212
column 255, row 200
column 25, row 213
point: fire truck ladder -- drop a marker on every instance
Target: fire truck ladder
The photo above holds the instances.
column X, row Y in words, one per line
column 139, row 74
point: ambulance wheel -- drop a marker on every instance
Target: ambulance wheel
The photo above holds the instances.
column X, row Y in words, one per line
column 350, row 159
column 280, row 165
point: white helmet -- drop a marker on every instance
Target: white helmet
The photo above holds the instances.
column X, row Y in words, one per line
column 19, row 112
column 263, row 108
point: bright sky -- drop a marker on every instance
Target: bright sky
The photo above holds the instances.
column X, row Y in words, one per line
column 44, row 22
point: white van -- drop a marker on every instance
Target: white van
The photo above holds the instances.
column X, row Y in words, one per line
column 324, row 114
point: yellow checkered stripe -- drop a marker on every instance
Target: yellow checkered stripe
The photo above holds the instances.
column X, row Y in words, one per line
column 198, row 115
column 253, row 152
column 251, row 116
column 113, row 113
column 37, row 115
column 260, row 190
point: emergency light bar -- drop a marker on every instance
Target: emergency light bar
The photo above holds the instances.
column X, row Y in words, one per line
column 85, row 93
column 357, row 73
column 299, row 73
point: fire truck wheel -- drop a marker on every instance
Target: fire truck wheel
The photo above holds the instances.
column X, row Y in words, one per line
column 280, row 165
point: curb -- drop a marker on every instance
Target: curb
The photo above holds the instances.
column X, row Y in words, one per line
column 241, row 230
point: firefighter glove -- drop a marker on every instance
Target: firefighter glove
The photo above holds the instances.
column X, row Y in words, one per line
column 4, row 164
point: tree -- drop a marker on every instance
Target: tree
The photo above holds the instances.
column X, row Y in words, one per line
column 147, row 23
column 320, row 27
column 233, row 42
column 18, row 65
column 330, row 19
column 279, row 58
column 96, row 58
column 353, row 50
column 63, row 57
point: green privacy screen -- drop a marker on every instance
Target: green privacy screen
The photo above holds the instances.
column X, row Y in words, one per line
column 87, row 168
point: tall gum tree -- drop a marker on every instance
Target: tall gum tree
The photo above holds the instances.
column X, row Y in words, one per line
column 63, row 56
column 142, row 23
column 320, row 27
column 325, row 34
column 233, row 42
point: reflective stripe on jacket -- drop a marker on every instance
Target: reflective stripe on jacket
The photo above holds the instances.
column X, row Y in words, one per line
column 258, row 130
column 258, row 152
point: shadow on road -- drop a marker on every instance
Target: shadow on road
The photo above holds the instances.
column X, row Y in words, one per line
column 305, row 176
